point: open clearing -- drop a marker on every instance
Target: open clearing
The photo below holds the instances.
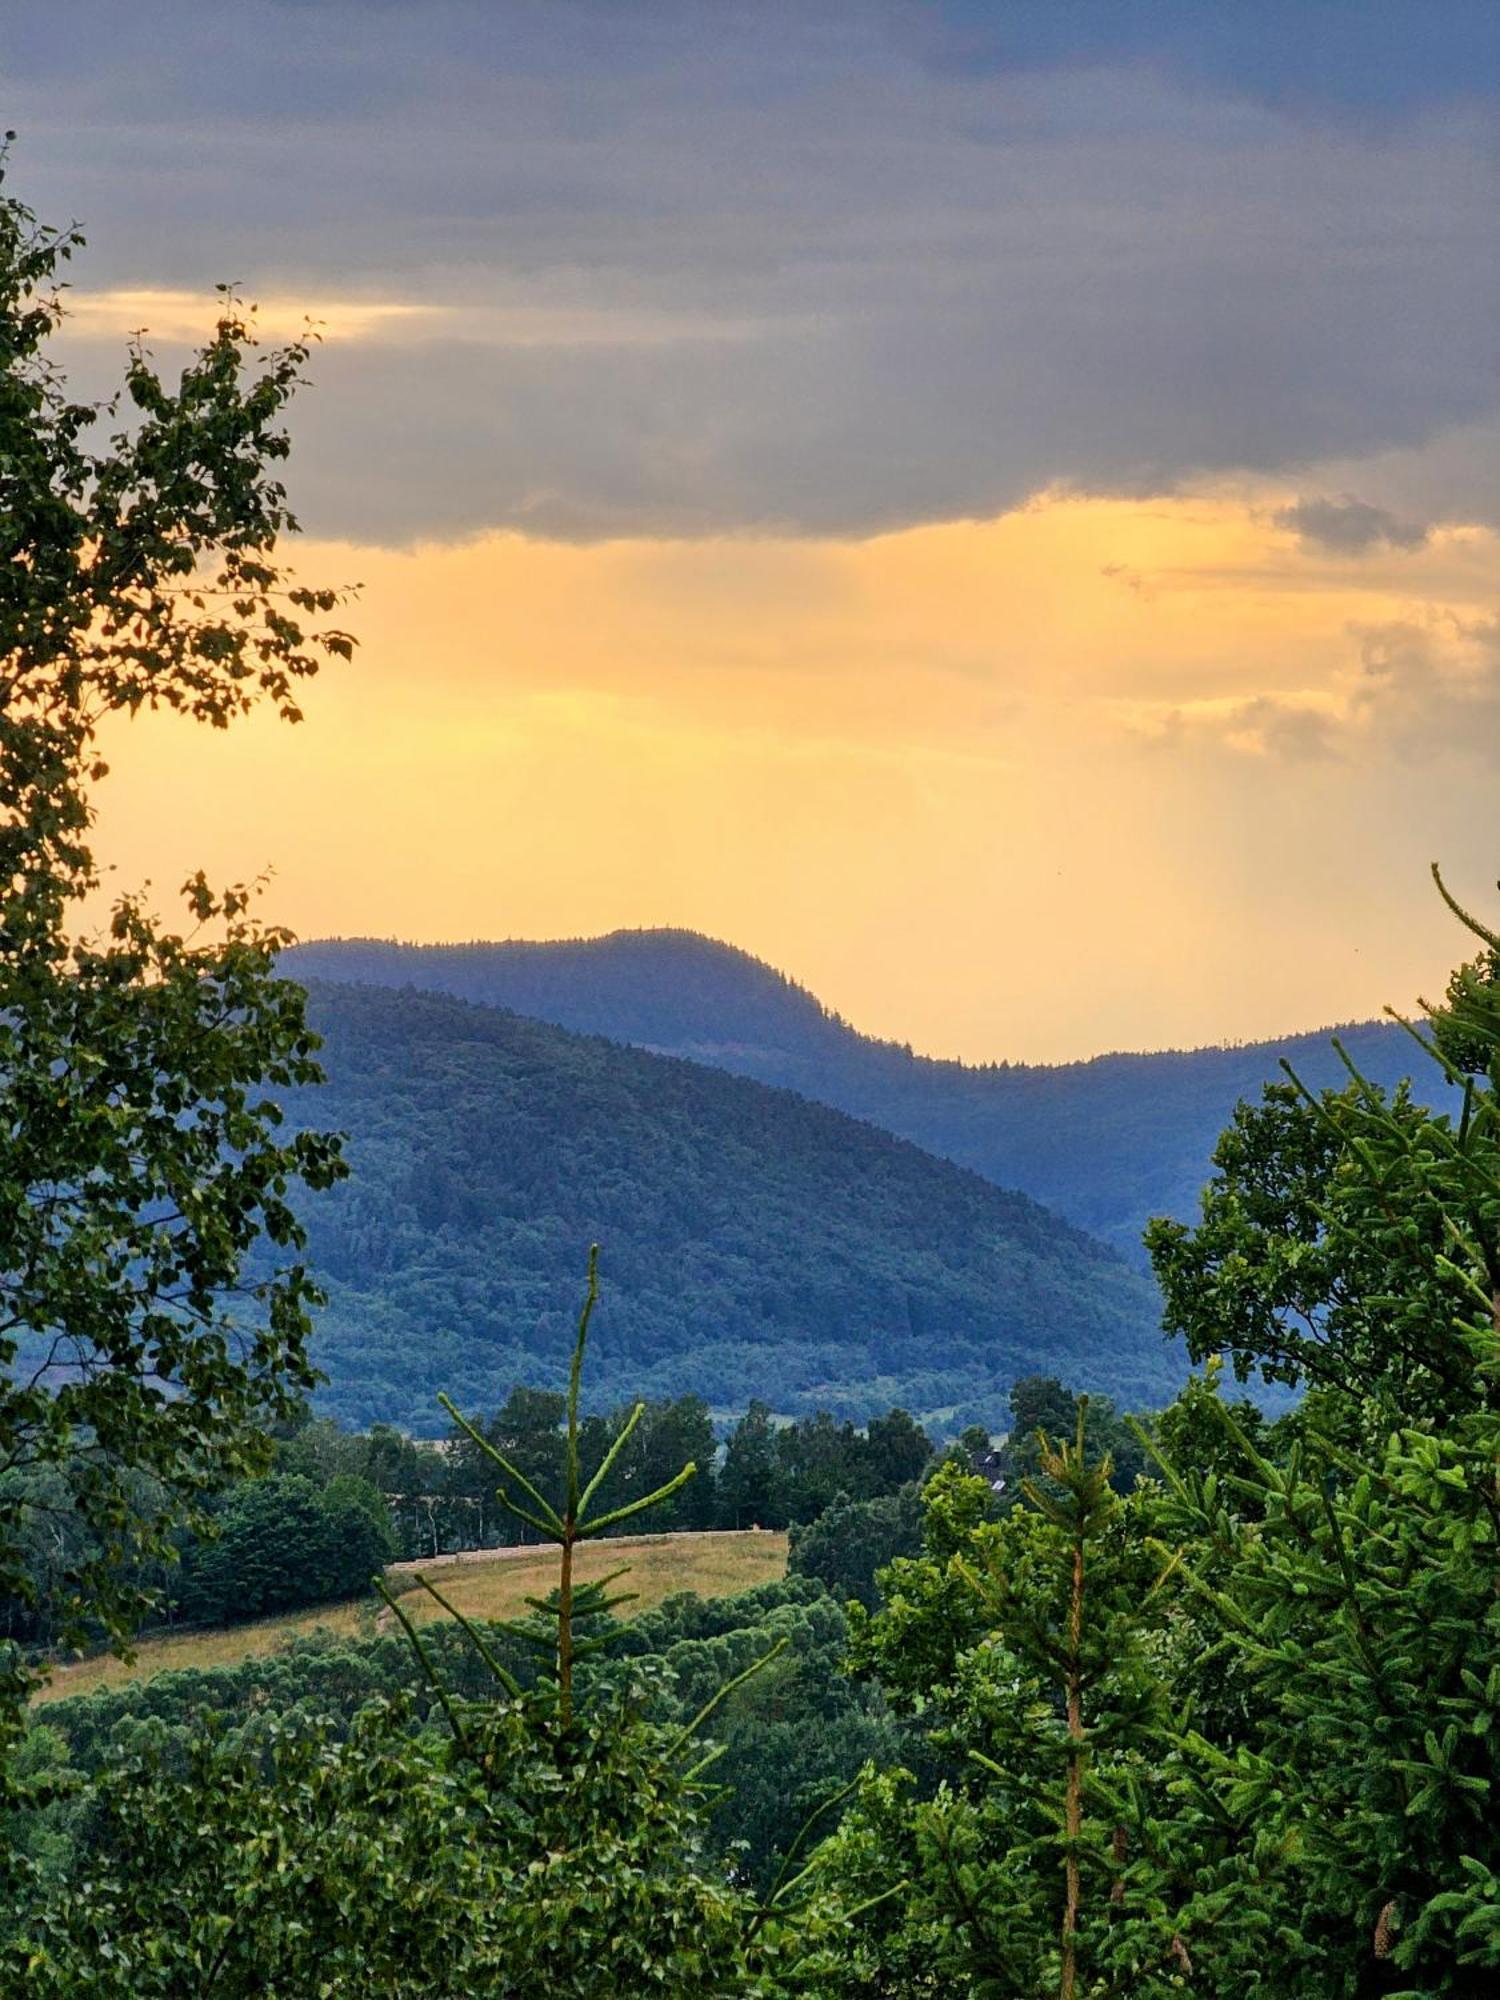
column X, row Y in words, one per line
column 489, row 1583
column 497, row 1583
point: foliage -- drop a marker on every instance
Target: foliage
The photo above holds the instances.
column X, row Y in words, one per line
column 848, row 1545
column 283, row 1542
column 549, row 1841
column 1359, row 1606
column 1259, row 1704
column 1306, row 1268
column 1041, row 1406
column 340, row 1504
column 1073, row 1846
column 1346, row 1236
column 510, row 1862
column 760, row 1246
column 792, row 1737
column 1108, row 1143
column 1229, row 1731
column 789, row 1737
column 1357, row 1580
column 772, row 1473
column 142, row 1159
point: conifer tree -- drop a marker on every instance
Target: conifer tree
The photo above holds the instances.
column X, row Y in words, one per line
column 550, row 1841
column 1075, row 1847
column 1357, row 1586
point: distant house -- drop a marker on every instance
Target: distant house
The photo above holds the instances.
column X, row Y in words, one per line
column 989, row 1463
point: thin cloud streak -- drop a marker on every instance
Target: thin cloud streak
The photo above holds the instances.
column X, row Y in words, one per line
column 181, row 317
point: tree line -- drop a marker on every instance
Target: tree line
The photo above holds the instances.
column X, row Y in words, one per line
column 336, row 1506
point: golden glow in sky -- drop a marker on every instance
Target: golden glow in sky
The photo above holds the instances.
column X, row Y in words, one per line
column 1098, row 773
column 991, row 509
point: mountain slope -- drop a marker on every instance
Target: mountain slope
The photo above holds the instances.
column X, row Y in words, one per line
column 753, row 1243
column 1107, row 1143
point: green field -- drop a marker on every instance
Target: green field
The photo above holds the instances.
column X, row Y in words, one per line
column 491, row 1585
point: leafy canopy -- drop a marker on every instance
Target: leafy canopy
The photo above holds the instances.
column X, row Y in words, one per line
column 140, row 1159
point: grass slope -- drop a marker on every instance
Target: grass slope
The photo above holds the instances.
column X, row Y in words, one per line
column 754, row 1243
column 1107, row 1143
column 493, row 1584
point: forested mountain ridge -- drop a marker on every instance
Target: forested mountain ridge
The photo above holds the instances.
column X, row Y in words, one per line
column 1108, row 1143
column 671, row 990
column 754, row 1243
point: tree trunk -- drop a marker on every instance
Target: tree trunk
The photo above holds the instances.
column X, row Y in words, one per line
column 1073, row 1804
column 565, row 1632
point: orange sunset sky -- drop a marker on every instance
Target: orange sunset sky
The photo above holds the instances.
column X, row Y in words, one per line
column 1010, row 536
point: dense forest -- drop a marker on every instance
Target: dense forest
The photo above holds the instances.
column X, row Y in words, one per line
column 793, row 1737
column 1108, row 1143
column 754, row 1244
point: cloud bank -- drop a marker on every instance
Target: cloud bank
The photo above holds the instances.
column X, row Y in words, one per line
column 691, row 270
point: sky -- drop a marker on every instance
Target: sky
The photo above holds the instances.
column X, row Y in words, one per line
column 993, row 508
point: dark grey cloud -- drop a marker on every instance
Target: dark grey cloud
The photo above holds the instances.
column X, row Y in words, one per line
column 1350, row 527
column 1367, row 61
column 831, row 284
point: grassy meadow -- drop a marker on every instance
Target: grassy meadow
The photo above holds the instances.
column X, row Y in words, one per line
column 483, row 1584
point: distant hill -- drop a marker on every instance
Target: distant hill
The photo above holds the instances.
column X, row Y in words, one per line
column 754, row 1243
column 1107, row 1143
